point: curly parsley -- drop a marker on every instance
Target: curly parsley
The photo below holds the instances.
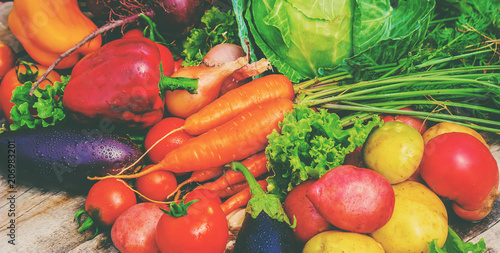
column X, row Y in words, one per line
column 43, row 108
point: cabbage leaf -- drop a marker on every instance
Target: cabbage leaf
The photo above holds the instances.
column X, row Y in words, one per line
column 383, row 33
column 304, row 40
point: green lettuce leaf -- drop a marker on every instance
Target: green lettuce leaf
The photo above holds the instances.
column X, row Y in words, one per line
column 455, row 244
column 44, row 107
column 310, row 144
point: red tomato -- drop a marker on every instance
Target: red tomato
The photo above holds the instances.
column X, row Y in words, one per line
column 24, row 73
column 204, row 194
column 107, row 199
column 7, row 59
column 156, row 185
column 203, row 228
column 167, row 60
column 171, row 142
column 459, row 167
column 133, row 33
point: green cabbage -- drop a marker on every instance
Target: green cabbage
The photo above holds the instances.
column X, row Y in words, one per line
column 305, row 39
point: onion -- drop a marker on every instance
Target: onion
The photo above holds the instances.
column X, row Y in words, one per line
column 177, row 17
column 222, row 53
column 174, row 18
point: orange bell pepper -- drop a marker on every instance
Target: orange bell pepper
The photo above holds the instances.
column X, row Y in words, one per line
column 48, row 28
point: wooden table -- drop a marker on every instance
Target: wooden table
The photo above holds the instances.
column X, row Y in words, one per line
column 44, row 222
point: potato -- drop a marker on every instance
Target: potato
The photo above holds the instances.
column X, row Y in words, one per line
column 394, row 150
column 342, row 242
column 353, row 199
column 135, row 229
column 419, row 217
column 447, row 127
column 309, row 221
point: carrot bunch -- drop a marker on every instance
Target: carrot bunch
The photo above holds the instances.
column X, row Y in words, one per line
column 233, row 127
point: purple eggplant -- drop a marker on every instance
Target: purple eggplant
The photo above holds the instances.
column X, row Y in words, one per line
column 63, row 157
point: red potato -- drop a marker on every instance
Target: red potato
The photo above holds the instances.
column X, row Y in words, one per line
column 419, row 124
column 353, row 199
column 461, row 168
column 134, row 230
column 309, row 221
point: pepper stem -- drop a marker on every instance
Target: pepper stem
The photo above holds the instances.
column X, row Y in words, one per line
column 177, row 83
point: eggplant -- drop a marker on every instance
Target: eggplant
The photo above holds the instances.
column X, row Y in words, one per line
column 266, row 227
column 62, row 157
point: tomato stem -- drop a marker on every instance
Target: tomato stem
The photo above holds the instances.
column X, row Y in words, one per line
column 179, row 210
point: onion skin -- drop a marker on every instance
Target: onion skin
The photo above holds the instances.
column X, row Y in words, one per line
column 223, row 53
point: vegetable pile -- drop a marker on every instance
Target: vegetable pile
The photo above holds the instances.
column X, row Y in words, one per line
column 259, row 126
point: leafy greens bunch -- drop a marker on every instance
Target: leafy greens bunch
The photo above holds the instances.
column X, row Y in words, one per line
column 47, row 103
column 218, row 27
column 310, row 144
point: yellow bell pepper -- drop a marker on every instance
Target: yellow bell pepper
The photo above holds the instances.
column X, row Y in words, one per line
column 48, row 28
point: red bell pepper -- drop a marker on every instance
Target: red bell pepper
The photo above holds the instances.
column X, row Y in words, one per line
column 121, row 82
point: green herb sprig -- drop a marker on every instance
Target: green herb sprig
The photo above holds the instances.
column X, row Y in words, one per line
column 43, row 108
column 219, row 27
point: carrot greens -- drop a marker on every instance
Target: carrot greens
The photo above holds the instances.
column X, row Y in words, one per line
column 468, row 96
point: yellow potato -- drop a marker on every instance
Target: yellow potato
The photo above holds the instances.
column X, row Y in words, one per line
column 342, row 242
column 447, row 127
column 419, row 217
column 394, row 150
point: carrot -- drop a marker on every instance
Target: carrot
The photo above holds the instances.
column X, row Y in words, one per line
column 181, row 103
column 199, row 176
column 235, row 140
column 240, row 199
column 231, row 190
column 257, row 164
column 238, row 100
